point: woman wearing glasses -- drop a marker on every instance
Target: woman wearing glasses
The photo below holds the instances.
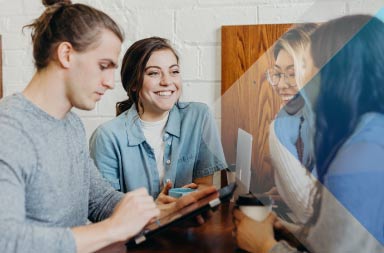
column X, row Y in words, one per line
column 289, row 138
column 349, row 148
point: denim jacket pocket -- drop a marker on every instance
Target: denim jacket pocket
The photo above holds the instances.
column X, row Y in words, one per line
column 186, row 160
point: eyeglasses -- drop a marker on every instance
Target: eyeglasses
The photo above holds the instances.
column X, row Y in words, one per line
column 273, row 77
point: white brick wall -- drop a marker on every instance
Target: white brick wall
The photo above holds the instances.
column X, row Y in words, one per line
column 192, row 25
column 364, row 6
column 301, row 12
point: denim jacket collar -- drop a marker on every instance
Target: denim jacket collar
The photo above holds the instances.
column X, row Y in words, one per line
column 135, row 135
column 174, row 122
column 134, row 132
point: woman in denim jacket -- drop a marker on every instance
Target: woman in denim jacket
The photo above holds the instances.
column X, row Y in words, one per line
column 156, row 141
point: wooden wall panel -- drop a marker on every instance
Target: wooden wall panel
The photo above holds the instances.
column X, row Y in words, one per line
column 248, row 101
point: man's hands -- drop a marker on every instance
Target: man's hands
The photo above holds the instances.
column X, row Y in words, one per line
column 132, row 213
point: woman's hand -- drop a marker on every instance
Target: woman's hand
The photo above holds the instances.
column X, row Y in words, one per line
column 163, row 197
column 200, row 219
column 254, row 236
column 186, row 200
column 191, row 186
column 168, row 204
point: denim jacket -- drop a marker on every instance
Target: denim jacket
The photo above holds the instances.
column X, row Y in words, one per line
column 356, row 175
column 192, row 149
column 288, row 127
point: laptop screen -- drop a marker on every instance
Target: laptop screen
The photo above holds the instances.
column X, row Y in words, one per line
column 243, row 161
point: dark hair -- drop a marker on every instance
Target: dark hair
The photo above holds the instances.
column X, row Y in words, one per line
column 78, row 24
column 330, row 37
column 351, row 81
column 133, row 66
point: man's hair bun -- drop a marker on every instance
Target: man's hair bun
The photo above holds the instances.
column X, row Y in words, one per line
column 52, row 2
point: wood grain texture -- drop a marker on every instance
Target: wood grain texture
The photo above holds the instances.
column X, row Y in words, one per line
column 248, row 101
column 215, row 236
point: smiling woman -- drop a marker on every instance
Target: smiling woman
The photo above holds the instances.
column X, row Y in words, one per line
column 290, row 133
column 161, row 85
column 282, row 76
column 156, row 141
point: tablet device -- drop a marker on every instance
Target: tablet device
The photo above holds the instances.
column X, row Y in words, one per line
column 210, row 202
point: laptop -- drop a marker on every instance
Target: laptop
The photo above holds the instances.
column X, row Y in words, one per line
column 243, row 173
column 243, row 162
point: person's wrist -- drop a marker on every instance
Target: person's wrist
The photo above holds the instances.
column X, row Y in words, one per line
column 110, row 232
column 268, row 245
column 113, row 233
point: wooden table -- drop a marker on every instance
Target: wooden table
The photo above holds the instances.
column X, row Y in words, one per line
column 214, row 236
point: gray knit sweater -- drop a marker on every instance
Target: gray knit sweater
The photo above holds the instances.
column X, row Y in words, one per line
column 48, row 183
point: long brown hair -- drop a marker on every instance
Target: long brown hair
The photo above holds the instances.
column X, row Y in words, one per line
column 133, row 66
column 78, row 24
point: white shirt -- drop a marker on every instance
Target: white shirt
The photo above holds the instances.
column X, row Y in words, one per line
column 153, row 132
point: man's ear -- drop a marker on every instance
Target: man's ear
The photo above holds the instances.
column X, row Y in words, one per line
column 64, row 53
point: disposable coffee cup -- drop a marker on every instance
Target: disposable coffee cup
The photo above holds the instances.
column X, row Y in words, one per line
column 255, row 206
